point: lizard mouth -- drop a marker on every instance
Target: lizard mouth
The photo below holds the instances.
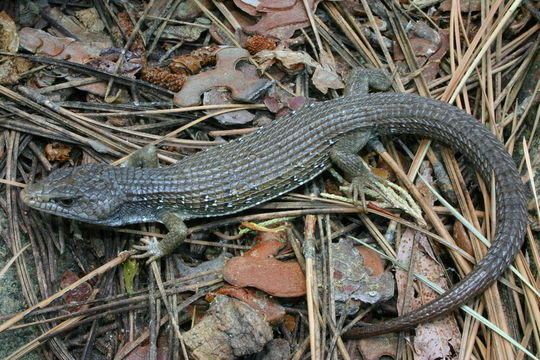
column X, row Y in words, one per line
column 26, row 197
column 37, row 198
column 32, row 197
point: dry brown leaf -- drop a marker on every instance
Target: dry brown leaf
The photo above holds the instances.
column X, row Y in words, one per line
column 258, row 268
column 243, row 82
column 80, row 294
column 279, row 19
column 358, row 276
column 439, row 338
column 230, row 329
column 269, row 308
column 323, row 78
column 58, row 151
column 10, row 67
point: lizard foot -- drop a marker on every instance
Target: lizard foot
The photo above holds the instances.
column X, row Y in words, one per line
column 151, row 250
column 391, row 195
column 356, row 190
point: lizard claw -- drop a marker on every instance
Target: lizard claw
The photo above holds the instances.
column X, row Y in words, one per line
column 355, row 190
column 151, row 250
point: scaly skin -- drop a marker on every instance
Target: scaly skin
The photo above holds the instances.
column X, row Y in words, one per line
column 280, row 157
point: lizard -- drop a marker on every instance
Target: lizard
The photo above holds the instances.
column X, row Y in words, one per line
column 281, row 156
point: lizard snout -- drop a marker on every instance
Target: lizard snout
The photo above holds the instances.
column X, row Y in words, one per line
column 32, row 195
column 25, row 196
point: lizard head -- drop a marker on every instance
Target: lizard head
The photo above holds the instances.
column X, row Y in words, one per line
column 85, row 193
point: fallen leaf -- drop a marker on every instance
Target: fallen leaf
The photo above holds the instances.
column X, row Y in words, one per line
column 230, row 329
column 219, row 97
column 213, row 267
column 9, row 40
column 428, row 46
column 91, row 31
column 277, row 278
column 44, row 44
column 439, row 338
column 358, row 279
column 245, row 84
column 186, row 10
column 270, row 309
column 187, row 32
column 323, row 77
column 279, row 19
column 376, row 347
column 10, row 67
column 258, row 269
column 465, row 5
column 90, row 19
column 276, row 349
column 58, row 151
column 80, row 294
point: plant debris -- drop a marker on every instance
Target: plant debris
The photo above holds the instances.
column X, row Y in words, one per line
column 228, row 330
column 257, row 268
column 93, row 81
column 245, row 85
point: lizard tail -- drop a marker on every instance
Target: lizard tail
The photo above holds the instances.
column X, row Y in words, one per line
column 488, row 156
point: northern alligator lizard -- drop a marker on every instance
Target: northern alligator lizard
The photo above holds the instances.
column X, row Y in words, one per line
column 282, row 156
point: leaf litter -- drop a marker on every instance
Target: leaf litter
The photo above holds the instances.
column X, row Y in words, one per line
column 135, row 63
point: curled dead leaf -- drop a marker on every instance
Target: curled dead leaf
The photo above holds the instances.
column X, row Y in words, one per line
column 230, row 329
column 270, row 309
column 58, row 151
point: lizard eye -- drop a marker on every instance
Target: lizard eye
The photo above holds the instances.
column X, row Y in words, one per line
column 67, row 202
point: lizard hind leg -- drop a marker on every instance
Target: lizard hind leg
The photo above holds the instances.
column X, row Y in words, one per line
column 344, row 155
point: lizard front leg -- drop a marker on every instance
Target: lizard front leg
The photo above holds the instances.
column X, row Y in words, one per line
column 144, row 157
column 360, row 80
column 154, row 249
